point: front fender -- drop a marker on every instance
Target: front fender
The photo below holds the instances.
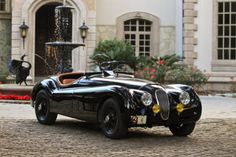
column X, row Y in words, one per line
column 180, row 87
column 120, row 94
column 195, row 105
column 176, row 89
column 124, row 96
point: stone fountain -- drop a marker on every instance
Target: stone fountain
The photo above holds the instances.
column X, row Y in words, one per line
column 61, row 49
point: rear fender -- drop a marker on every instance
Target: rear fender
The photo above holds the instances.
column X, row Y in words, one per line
column 48, row 85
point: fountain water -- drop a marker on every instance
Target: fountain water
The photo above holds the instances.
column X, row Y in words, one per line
column 61, row 49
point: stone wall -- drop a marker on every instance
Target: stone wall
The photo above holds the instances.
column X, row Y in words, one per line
column 167, row 40
column 91, row 4
column 5, row 46
column 105, row 32
column 167, row 37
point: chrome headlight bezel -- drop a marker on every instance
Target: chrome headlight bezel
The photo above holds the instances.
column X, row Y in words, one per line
column 146, row 99
column 184, row 98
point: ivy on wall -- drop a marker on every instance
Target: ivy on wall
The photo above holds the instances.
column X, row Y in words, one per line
column 5, row 47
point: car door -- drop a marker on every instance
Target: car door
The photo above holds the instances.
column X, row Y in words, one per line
column 63, row 101
column 85, row 100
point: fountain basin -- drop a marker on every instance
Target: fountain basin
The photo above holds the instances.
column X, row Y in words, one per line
column 59, row 52
column 61, row 44
column 59, row 57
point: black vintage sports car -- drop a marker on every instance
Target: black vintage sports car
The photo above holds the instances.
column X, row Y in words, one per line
column 116, row 100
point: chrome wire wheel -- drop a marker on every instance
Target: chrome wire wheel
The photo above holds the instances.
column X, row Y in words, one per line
column 114, row 123
column 42, row 109
column 110, row 120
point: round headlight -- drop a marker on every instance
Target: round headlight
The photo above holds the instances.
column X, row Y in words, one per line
column 184, row 98
column 146, row 99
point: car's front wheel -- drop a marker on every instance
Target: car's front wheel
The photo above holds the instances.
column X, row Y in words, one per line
column 113, row 122
column 42, row 109
column 182, row 129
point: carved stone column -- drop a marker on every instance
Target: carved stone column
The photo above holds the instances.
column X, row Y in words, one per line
column 189, row 30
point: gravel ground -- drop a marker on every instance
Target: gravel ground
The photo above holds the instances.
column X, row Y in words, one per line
column 69, row 137
column 22, row 135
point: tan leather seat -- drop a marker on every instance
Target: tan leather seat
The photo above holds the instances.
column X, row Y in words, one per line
column 68, row 81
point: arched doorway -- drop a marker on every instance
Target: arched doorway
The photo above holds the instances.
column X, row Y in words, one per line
column 44, row 32
column 29, row 10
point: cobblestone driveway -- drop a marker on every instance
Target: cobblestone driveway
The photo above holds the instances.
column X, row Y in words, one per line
column 26, row 137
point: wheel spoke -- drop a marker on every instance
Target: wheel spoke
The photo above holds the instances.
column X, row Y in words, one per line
column 110, row 120
column 42, row 109
column 106, row 120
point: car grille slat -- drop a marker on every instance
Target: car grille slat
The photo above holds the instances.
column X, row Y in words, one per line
column 163, row 101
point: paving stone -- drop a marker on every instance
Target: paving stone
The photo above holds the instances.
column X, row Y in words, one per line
column 211, row 137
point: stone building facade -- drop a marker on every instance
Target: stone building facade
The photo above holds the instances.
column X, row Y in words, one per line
column 5, row 37
column 200, row 31
column 189, row 29
column 38, row 15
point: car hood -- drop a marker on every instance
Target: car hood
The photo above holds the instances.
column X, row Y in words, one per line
column 128, row 82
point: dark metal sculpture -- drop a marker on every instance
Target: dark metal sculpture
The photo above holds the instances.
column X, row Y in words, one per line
column 21, row 71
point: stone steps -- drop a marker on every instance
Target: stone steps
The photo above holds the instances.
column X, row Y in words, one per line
column 14, row 89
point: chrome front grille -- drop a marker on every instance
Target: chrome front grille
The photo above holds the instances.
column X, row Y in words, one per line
column 163, row 102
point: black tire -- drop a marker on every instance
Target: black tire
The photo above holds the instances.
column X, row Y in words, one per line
column 114, row 124
column 42, row 109
column 183, row 129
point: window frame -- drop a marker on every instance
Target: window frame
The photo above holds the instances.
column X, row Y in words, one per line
column 220, row 65
column 7, row 7
column 155, row 29
column 137, row 33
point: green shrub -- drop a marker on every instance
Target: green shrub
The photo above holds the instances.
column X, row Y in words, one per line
column 233, row 88
column 155, row 68
column 184, row 74
column 167, row 70
column 3, row 78
column 3, row 73
column 114, row 50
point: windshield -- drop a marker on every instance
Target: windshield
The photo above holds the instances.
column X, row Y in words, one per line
column 124, row 68
column 116, row 67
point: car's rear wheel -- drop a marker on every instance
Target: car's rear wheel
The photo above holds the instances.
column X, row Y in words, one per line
column 42, row 109
column 113, row 122
column 182, row 129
